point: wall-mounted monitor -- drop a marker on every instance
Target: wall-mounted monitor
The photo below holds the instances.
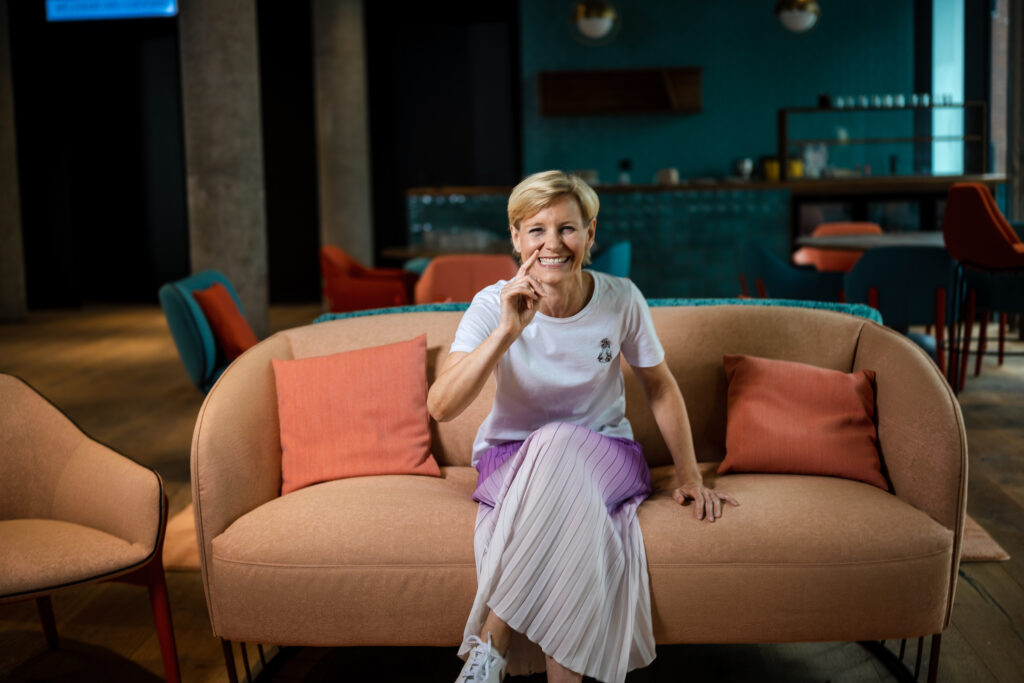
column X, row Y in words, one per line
column 86, row 10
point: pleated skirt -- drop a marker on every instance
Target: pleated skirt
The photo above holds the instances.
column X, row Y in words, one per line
column 559, row 553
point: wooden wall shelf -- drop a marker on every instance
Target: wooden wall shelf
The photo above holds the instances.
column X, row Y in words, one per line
column 672, row 90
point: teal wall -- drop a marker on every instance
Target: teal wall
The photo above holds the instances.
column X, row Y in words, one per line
column 751, row 68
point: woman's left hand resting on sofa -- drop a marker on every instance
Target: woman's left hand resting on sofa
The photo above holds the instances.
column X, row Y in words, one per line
column 669, row 410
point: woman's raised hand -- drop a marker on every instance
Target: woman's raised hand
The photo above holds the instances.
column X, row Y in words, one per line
column 520, row 297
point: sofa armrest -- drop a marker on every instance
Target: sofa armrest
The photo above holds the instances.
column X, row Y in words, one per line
column 920, row 428
column 236, row 446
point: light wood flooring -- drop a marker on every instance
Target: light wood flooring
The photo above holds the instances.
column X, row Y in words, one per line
column 115, row 371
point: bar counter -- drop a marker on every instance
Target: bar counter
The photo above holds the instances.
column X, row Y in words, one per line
column 684, row 237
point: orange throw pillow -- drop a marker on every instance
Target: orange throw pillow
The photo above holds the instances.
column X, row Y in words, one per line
column 786, row 417
column 232, row 332
column 354, row 414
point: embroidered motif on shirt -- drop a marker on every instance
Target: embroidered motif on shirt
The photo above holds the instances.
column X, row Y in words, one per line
column 606, row 351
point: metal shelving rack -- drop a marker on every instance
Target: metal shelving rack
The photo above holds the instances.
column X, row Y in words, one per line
column 785, row 143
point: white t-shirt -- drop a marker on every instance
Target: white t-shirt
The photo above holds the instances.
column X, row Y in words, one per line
column 563, row 369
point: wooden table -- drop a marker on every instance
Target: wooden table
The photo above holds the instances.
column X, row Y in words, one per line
column 870, row 241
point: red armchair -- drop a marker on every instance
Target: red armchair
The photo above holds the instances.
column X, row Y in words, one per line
column 351, row 286
column 459, row 276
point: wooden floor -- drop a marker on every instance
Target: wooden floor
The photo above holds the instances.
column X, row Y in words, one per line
column 116, row 372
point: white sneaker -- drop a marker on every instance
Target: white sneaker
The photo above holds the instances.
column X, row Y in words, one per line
column 484, row 664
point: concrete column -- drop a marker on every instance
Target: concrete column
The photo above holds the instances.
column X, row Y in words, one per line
column 343, row 133
column 224, row 148
column 1015, row 154
column 12, row 259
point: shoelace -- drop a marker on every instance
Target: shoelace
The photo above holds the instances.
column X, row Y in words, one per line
column 475, row 654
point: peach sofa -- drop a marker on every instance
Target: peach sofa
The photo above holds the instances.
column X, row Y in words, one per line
column 389, row 560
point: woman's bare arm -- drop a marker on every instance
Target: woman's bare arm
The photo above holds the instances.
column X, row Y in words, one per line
column 463, row 375
column 669, row 410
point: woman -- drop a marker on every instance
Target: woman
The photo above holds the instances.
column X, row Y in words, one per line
column 561, row 569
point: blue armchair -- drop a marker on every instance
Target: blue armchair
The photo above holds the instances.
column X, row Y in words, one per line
column 615, row 260
column 909, row 286
column 191, row 331
column 776, row 279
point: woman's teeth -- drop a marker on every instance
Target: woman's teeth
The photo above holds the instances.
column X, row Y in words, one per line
column 553, row 261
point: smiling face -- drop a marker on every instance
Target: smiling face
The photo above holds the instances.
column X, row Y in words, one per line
column 559, row 234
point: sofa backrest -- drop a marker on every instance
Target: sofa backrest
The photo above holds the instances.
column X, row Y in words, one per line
column 695, row 338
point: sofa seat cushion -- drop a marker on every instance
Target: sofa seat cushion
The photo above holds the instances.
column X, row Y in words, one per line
column 797, row 547
column 363, row 521
column 394, row 553
column 43, row 554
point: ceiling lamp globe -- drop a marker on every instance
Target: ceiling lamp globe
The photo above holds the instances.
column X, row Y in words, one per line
column 798, row 16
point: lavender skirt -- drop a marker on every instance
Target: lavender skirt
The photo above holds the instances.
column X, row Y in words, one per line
column 559, row 553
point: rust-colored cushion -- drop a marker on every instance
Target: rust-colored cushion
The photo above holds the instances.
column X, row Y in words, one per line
column 354, row 414
column 794, row 418
column 233, row 334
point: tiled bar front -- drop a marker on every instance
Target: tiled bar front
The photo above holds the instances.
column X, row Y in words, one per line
column 684, row 241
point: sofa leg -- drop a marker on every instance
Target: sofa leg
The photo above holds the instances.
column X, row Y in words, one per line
column 901, row 669
column 933, row 658
column 245, row 663
column 263, row 661
column 45, row 608
column 229, row 660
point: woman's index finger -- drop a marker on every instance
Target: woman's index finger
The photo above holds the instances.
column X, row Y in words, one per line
column 528, row 263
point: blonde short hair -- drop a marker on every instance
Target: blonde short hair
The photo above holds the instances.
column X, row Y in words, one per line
column 540, row 190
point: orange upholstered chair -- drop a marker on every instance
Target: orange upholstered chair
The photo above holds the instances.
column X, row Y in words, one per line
column 73, row 512
column 834, row 259
column 980, row 238
column 459, row 276
column 351, row 286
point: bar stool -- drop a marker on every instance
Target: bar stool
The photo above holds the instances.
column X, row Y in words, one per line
column 835, row 259
column 979, row 237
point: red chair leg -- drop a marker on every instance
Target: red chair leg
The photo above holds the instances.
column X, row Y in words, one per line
column 45, row 608
column 951, row 356
column 940, row 328
column 972, row 297
column 1002, row 336
column 157, row 584
column 151, row 575
column 743, row 286
column 982, row 341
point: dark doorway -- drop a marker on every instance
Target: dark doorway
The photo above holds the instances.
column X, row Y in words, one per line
column 100, row 156
column 444, row 102
column 289, row 150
